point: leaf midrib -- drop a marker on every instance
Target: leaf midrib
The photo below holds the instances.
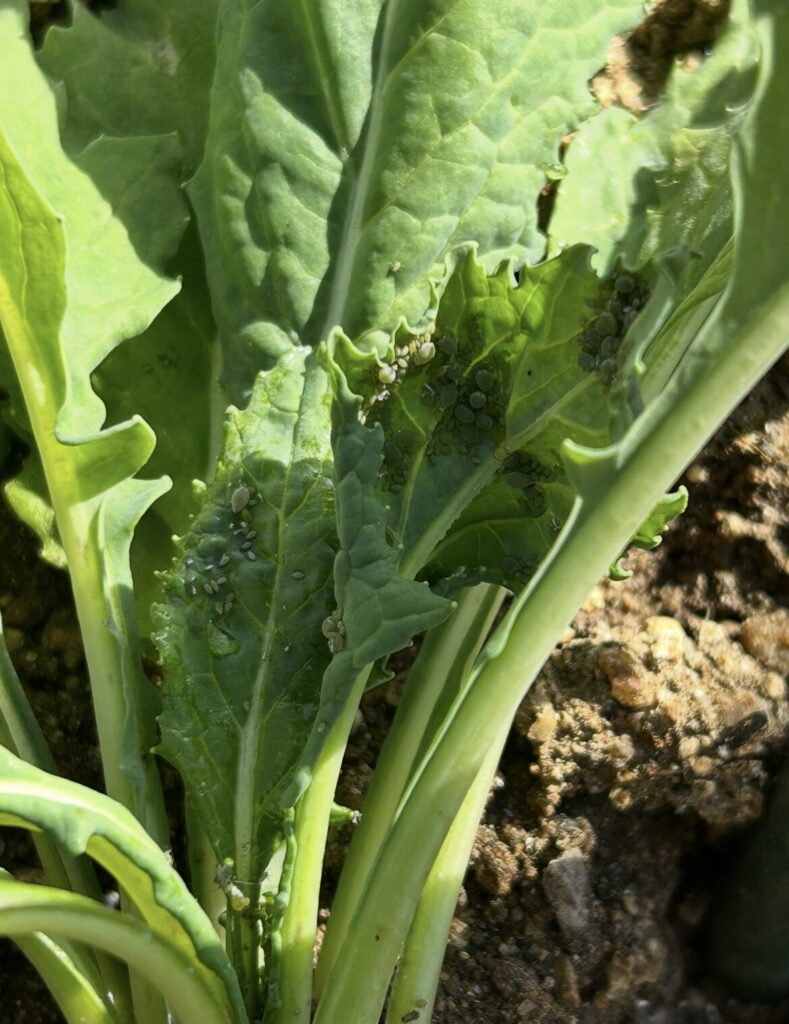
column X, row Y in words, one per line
column 353, row 220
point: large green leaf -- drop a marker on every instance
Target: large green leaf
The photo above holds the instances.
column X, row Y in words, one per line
column 352, row 146
column 474, row 415
column 142, row 68
column 615, row 487
column 128, row 81
column 257, row 604
column 240, row 633
column 72, row 288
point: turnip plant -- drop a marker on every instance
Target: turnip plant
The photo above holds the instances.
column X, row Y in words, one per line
column 302, row 378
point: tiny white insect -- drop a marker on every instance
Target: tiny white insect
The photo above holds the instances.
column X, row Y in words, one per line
column 239, row 498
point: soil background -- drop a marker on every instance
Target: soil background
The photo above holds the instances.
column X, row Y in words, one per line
column 644, row 754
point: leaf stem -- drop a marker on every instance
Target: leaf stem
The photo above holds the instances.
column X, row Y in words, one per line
column 419, row 967
column 290, row 999
column 447, row 654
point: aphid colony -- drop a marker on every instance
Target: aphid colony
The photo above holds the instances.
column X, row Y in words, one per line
column 467, row 408
column 601, row 341
column 213, row 568
column 333, row 628
column 464, row 389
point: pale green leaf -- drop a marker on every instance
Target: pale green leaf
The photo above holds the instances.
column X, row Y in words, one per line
column 142, row 68
column 79, row 1001
column 352, row 146
column 71, row 290
column 27, row 909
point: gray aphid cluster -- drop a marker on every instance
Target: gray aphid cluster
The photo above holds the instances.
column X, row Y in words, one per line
column 601, row 341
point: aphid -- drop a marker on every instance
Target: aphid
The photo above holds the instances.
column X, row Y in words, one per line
column 246, row 545
column 395, row 266
column 606, row 324
column 518, row 480
column 193, row 590
column 452, row 372
column 478, row 400
column 624, row 284
column 251, row 556
column 239, row 498
column 392, row 454
column 297, row 575
column 448, row 345
column 252, row 534
column 586, row 361
column 464, row 414
column 402, row 363
column 387, row 374
column 484, row 379
column 608, row 346
column 449, row 395
column 214, row 587
column 424, row 353
column 483, row 421
column 219, row 607
column 224, row 873
column 221, row 580
column 208, row 588
column 223, row 561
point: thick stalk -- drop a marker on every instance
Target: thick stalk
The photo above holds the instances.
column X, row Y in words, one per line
column 202, row 870
column 103, row 599
column 419, row 967
column 446, row 657
column 667, row 435
column 290, row 998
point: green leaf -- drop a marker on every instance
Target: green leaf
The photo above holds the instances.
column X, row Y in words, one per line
column 177, row 357
column 142, row 68
column 122, row 101
column 650, row 533
column 267, row 588
column 677, row 144
column 352, row 146
column 83, row 821
column 71, row 290
column 475, row 416
column 243, row 671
